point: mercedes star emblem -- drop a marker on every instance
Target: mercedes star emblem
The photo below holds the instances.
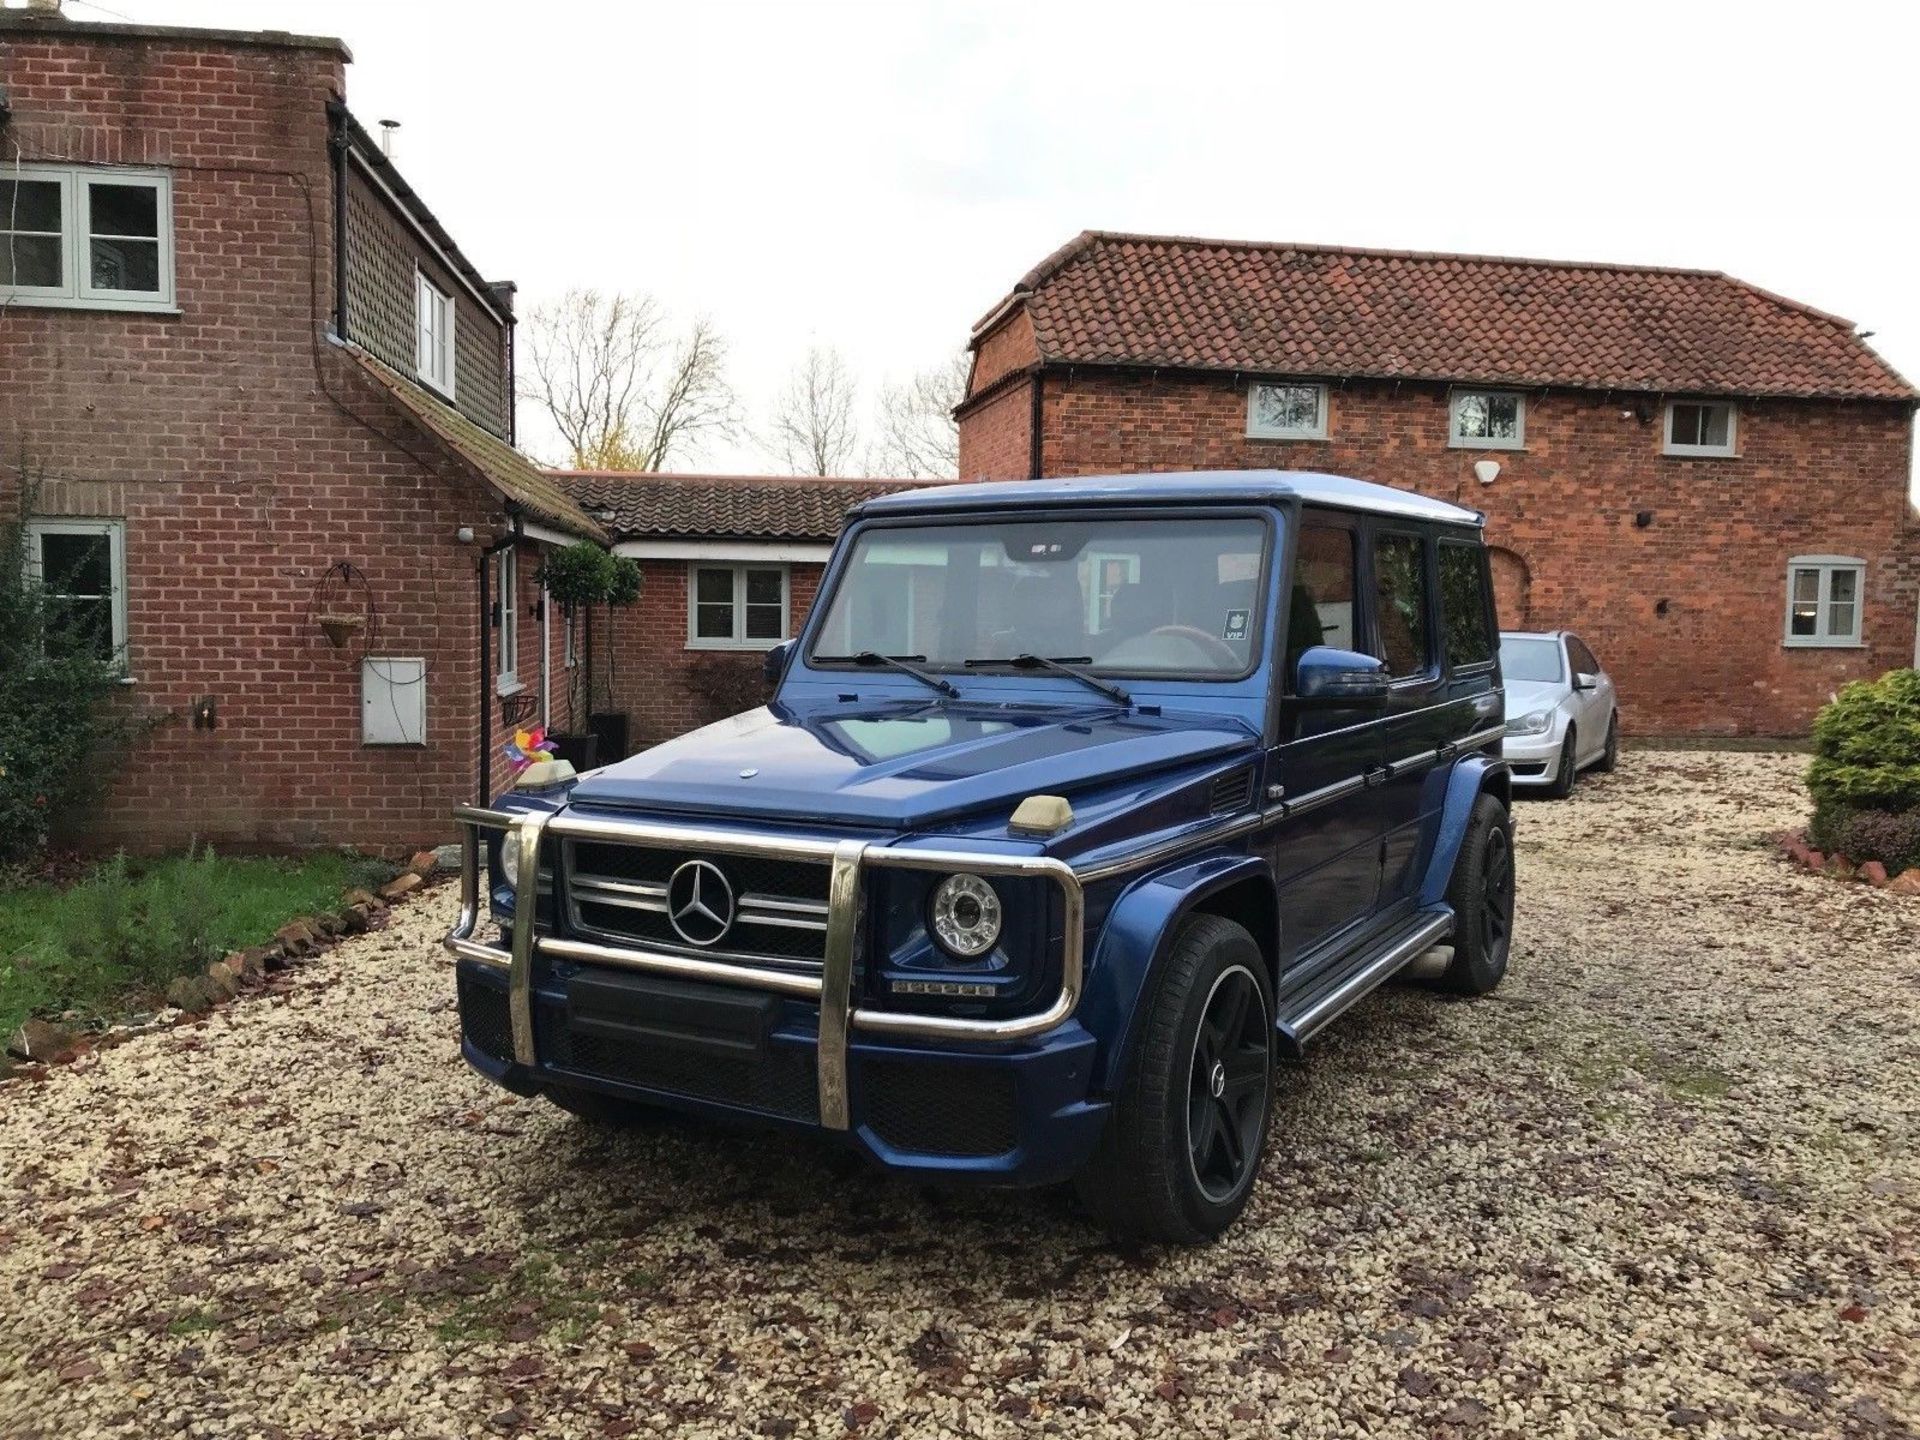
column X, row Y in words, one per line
column 699, row 902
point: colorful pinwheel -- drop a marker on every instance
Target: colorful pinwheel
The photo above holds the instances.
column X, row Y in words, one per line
column 528, row 747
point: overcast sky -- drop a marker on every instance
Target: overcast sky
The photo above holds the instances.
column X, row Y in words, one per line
column 875, row 176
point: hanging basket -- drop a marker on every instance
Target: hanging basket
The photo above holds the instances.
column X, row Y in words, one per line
column 339, row 629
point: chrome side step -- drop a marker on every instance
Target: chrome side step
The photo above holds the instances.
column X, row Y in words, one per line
column 1361, row 973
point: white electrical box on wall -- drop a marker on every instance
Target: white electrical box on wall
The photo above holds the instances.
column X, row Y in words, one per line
column 393, row 700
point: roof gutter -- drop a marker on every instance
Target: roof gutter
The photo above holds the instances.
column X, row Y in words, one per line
column 338, row 143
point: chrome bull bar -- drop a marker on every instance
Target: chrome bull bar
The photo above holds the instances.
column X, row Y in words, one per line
column 831, row 989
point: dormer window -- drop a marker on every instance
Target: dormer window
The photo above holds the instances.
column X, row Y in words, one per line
column 434, row 331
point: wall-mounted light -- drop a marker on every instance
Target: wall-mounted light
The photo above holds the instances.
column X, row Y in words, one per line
column 1486, row 471
column 464, row 534
column 206, row 713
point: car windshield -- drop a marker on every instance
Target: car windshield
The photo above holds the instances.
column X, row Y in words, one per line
column 1120, row 596
column 1529, row 659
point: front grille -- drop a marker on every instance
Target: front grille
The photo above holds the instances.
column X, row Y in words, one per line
column 620, row 893
column 484, row 1016
column 955, row 1110
column 781, row 1081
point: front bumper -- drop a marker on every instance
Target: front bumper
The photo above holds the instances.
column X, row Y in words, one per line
column 1534, row 758
column 1000, row 1098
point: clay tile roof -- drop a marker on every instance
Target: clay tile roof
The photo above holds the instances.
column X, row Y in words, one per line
column 1109, row 298
column 511, row 475
column 658, row 505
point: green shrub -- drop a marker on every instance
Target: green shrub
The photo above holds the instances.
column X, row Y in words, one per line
column 1866, row 745
column 1890, row 836
column 577, row 575
column 59, row 721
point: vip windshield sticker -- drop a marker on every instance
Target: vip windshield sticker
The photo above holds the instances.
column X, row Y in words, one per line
column 1236, row 628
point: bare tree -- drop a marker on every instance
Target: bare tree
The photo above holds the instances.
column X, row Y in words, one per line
column 918, row 438
column 625, row 391
column 814, row 431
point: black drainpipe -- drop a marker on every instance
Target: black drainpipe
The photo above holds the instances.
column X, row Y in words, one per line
column 1035, row 414
column 486, row 663
column 337, row 143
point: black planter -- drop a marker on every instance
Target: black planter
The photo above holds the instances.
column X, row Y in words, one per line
column 613, row 730
column 576, row 750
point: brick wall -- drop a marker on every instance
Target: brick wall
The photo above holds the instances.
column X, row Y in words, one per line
column 663, row 684
column 1811, row 478
column 245, row 456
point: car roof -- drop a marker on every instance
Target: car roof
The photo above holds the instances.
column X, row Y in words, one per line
column 1174, row 487
column 1533, row 634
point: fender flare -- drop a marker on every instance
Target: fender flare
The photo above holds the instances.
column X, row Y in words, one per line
column 1135, row 938
column 1472, row 774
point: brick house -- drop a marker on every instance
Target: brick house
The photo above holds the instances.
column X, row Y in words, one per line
column 1706, row 480
column 730, row 565
column 249, row 384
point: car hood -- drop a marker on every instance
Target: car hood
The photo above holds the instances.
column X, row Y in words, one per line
column 903, row 766
column 1526, row 696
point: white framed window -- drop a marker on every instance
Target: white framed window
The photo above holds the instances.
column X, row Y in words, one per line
column 81, row 566
column 1701, row 427
column 1487, row 420
column 736, row 607
column 1824, row 594
column 507, row 604
column 87, row 237
column 1287, row 411
column 433, row 359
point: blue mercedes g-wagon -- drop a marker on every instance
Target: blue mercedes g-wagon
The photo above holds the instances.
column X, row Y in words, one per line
column 1078, row 804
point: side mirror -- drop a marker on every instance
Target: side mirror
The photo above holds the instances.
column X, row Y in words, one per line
column 1326, row 676
column 774, row 663
column 1584, row 681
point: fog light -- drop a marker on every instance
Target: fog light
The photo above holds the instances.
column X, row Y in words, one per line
column 966, row 915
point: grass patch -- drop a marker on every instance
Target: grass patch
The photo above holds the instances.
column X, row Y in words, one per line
column 195, row 1322
column 113, row 940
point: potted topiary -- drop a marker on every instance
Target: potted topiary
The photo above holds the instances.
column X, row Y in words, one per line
column 577, row 578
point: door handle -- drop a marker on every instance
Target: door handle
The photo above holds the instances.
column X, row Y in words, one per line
column 1378, row 776
column 1484, row 704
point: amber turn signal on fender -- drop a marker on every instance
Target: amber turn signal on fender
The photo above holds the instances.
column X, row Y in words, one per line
column 1041, row 815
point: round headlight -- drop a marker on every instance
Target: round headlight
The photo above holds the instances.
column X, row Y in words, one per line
column 510, row 858
column 966, row 915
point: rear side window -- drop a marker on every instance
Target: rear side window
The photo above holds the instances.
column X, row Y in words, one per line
column 1320, row 608
column 1463, row 605
column 1400, row 602
column 1581, row 656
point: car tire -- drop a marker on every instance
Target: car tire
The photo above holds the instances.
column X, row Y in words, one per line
column 1205, row 1058
column 1568, row 770
column 1610, row 756
column 1481, row 894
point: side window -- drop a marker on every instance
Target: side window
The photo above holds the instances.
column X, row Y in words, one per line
column 1400, row 602
column 1581, row 656
column 1463, row 605
column 1320, row 607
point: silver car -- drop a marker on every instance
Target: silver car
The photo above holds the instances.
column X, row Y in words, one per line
column 1561, row 715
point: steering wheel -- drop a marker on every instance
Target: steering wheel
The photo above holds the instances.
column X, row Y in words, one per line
column 1212, row 645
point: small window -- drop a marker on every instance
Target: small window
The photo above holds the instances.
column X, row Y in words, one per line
column 1489, row 420
column 507, row 606
column 86, row 237
column 1400, row 603
column 1463, row 604
column 434, row 362
column 1287, row 412
column 737, row 607
column 1823, row 599
column 1320, row 606
column 1697, row 427
column 81, row 566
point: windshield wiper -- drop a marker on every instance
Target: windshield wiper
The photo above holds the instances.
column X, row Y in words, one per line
column 893, row 662
column 1061, row 665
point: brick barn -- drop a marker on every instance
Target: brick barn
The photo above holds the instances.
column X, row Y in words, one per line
column 729, row 564
column 1708, row 481
column 259, row 406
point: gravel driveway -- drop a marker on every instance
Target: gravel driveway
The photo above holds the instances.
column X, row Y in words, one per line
column 1664, row 1180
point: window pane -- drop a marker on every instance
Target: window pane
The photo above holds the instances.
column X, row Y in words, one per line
column 76, row 564
column 1840, row 620
column 1470, row 417
column 1713, row 425
column 1503, row 417
column 82, row 625
column 1845, row 585
column 763, row 622
column 1400, row 593
column 1804, row 618
column 30, row 260
column 713, row 622
column 1463, row 605
column 30, row 205
column 763, row 587
column 124, row 210
column 1806, row 586
column 714, row 586
column 1287, row 407
column 1320, row 607
column 126, row 265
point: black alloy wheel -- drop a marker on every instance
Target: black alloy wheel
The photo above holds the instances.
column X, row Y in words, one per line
column 1227, row 1085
